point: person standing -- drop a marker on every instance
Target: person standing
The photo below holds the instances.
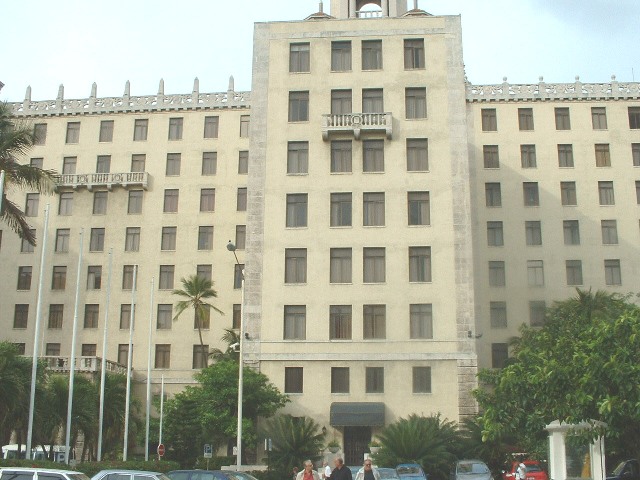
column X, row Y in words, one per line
column 367, row 472
column 341, row 472
column 326, row 474
column 521, row 471
column 307, row 473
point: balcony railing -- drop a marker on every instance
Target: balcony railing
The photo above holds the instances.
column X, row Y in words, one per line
column 356, row 123
column 83, row 364
column 108, row 180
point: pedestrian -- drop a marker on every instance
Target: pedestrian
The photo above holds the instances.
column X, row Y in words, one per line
column 307, row 473
column 521, row 471
column 326, row 474
column 294, row 473
column 367, row 472
column 340, row 472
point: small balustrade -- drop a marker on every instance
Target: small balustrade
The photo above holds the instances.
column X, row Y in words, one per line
column 60, row 364
column 108, row 180
column 356, row 123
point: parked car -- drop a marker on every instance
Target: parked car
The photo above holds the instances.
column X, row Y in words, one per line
column 209, row 475
column 410, row 471
column 388, row 474
column 128, row 475
column 534, row 471
column 627, row 470
column 15, row 473
column 470, row 470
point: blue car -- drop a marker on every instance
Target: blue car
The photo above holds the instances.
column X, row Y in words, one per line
column 411, row 471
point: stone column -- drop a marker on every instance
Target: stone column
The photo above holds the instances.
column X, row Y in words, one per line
column 385, row 8
column 352, row 8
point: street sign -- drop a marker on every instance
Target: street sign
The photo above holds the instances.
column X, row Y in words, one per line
column 208, row 451
column 161, row 450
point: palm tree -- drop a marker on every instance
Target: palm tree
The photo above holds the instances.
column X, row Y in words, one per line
column 16, row 138
column 231, row 338
column 195, row 290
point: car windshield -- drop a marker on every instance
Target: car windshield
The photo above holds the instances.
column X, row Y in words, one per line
column 532, row 467
column 387, row 473
column 619, row 468
column 408, row 470
column 470, row 468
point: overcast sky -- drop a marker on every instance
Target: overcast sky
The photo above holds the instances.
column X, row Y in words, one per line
column 44, row 43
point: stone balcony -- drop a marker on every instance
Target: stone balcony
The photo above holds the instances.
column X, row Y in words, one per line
column 59, row 364
column 108, row 180
column 356, row 123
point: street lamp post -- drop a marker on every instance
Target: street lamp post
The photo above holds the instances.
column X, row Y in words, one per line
column 232, row 248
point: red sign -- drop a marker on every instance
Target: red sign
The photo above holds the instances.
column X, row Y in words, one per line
column 161, row 450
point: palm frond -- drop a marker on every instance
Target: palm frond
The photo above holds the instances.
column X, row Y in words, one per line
column 15, row 219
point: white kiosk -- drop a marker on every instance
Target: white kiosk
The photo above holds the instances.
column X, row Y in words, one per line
column 575, row 460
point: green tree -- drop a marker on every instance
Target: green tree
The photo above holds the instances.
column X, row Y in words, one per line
column 231, row 338
column 584, row 364
column 16, row 138
column 195, row 291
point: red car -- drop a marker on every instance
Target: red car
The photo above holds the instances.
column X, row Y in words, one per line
column 534, row 471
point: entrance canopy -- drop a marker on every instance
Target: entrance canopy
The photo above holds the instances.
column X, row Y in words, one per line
column 357, row 414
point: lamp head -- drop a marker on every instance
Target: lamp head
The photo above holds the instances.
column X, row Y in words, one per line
column 231, row 247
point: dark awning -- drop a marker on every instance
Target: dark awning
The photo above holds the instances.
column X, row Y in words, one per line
column 357, row 414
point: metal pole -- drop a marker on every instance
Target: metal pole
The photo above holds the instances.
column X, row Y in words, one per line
column 103, row 369
column 72, row 360
column 146, row 441
column 161, row 410
column 240, row 376
column 1, row 189
column 36, row 336
column 129, row 360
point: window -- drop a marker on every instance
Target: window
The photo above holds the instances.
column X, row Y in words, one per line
column 299, row 58
column 32, row 204
column 52, row 349
column 609, row 232
column 168, row 239
column 421, row 379
column 495, row 235
column 125, row 316
column 298, row 106
column 132, row 239
column 605, row 192
column 89, row 349
column 91, row 315
column 419, row 264
column 65, row 203
column 537, row 309
column 138, row 161
column 340, row 265
column 565, row 156
column 341, row 210
column 373, row 209
column 373, row 156
column 525, row 118
column 243, row 162
column 497, row 274
column 200, row 356
column 417, row 155
column 94, row 277
column 171, row 198
column 163, row 356
column 373, row 264
column 244, row 126
column 204, row 271
column 36, row 162
column 372, row 100
column 211, row 125
column 134, row 205
column 209, row 163
column 574, row 272
column 571, row 232
column 298, row 158
column 205, row 237
column 528, row 156
column 498, row 314
column 21, row 316
column 103, row 164
column 374, row 380
column 638, row 192
column 634, row 118
column 603, row 156
column 238, row 275
column 293, row 379
column 295, row 268
column 499, row 355
column 24, row 277
column 339, row 379
column 295, row 319
column 207, row 199
column 612, row 272
column 341, row 155
column 123, row 353
column 237, row 316
column 173, row 164
column 535, row 273
column 340, row 56
column 241, row 237
column 96, row 243
column 296, row 210
column 635, row 154
column 73, row 132
column 421, row 321
column 127, row 277
column 340, row 102
column 25, row 246
column 166, row 277
column 563, row 121
column 489, row 120
column 374, row 319
column 69, row 165
column 340, row 322
column 491, row 156
column 40, row 133
column 175, row 128
column 106, row 131
column 100, row 203
column 533, row 232
column 599, row 118
column 372, row 55
column 530, row 193
column 59, row 278
column 414, row 53
column 416, row 102
column 140, row 129
column 241, row 199
column 56, row 315
column 418, row 208
column 62, row 240
column 493, row 195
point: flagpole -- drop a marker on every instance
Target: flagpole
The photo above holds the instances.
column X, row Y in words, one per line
column 36, row 336
column 161, row 410
column 103, row 369
column 132, row 318
column 146, row 441
column 1, row 189
column 72, row 359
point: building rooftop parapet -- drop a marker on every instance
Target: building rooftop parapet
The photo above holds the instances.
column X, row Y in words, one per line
column 542, row 91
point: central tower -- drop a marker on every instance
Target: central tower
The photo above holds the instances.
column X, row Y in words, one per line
column 351, row 8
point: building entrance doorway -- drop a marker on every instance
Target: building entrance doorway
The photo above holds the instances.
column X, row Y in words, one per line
column 356, row 444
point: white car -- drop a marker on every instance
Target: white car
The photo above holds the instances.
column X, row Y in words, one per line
column 16, row 473
column 128, row 475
